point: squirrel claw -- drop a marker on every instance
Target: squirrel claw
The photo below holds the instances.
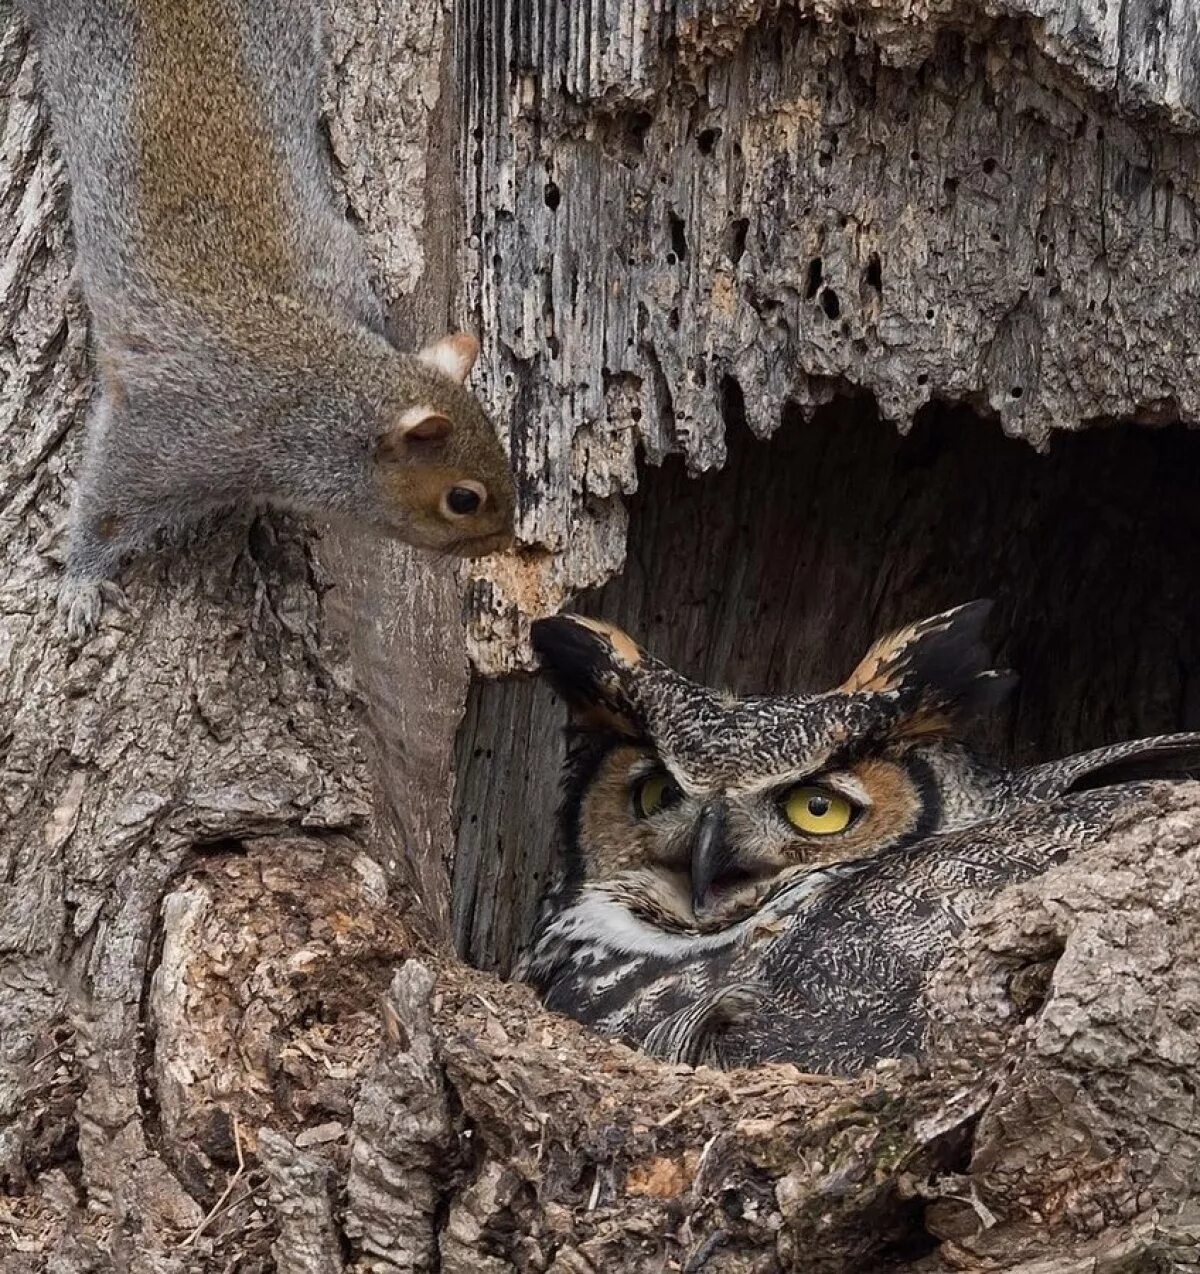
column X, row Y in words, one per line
column 81, row 604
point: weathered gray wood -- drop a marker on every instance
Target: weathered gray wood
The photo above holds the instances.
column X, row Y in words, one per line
column 403, row 1135
column 393, row 122
column 927, row 203
column 226, row 818
column 308, row 1239
column 670, row 202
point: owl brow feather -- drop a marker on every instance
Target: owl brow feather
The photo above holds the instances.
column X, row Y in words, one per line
column 839, row 779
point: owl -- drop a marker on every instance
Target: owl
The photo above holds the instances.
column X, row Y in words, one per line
column 772, row 878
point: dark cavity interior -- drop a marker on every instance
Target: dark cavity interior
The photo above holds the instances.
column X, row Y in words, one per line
column 777, row 572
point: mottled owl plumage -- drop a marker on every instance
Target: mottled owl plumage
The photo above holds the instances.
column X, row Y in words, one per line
column 773, row 877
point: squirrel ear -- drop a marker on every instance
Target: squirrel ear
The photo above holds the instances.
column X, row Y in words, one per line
column 424, row 424
column 418, row 424
column 453, row 356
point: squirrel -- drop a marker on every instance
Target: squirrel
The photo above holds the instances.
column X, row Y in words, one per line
column 239, row 344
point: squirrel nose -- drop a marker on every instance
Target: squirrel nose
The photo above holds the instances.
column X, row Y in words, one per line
column 712, row 856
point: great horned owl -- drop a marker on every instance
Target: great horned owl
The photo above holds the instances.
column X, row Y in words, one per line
column 772, row 877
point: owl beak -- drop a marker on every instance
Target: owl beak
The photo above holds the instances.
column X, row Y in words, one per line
column 711, row 855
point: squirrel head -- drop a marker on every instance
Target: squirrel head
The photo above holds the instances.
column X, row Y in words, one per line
column 445, row 476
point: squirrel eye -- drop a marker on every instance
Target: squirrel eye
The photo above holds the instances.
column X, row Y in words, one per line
column 463, row 500
column 817, row 810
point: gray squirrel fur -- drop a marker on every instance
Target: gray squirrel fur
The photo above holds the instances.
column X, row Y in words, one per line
column 238, row 341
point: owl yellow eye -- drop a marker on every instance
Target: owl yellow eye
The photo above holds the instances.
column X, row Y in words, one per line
column 653, row 793
column 817, row 811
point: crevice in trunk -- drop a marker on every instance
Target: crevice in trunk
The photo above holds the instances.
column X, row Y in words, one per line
column 776, row 573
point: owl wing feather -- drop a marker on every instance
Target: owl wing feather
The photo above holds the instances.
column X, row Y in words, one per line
column 1165, row 756
column 839, row 959
column 691, row 1036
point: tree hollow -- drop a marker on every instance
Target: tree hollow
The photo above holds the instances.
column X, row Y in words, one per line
column 775, row 573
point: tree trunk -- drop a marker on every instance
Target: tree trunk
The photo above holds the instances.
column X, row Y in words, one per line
column 233, row 1031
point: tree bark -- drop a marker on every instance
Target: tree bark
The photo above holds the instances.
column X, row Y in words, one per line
column 233, row 1031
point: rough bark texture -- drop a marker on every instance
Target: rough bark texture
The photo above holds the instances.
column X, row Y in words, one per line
column 232, row 1035
column 1054, row 1129
column 225, row 713
column 679, row 203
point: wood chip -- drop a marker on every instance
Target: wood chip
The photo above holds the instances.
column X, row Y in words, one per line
column 321, row 1133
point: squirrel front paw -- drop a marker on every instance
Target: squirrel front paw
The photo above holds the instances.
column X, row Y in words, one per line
column 81, row 605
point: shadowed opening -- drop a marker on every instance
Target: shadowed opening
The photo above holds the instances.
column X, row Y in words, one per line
column 777, row 572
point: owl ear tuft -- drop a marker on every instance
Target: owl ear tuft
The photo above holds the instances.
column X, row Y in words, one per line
column 938, row 667
column 592, row 665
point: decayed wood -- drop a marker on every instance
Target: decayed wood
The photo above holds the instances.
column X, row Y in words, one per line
column 986, row 204
column 696, row 218
column 231, row 1034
